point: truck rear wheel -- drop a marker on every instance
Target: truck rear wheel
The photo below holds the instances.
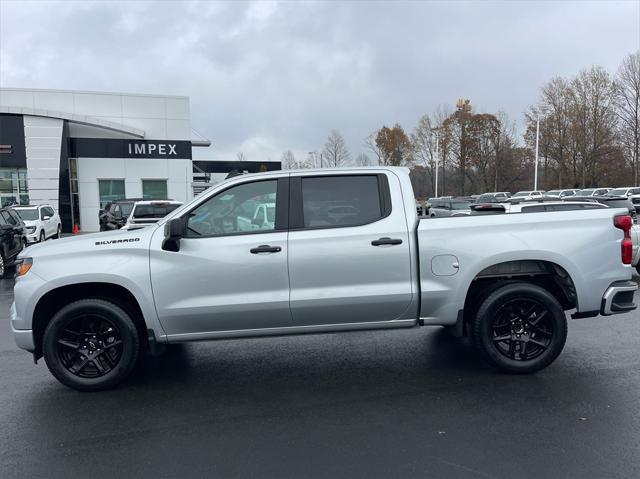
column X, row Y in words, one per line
column 91, row 344
column 519, row 328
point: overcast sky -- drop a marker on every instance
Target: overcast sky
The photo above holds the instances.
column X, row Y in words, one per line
column 264, row 77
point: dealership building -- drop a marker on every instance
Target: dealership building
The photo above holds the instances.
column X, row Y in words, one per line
column 79, row 150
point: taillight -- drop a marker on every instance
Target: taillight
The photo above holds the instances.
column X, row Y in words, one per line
column 624, row 223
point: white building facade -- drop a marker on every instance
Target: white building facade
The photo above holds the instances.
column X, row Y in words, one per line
column 79, row 150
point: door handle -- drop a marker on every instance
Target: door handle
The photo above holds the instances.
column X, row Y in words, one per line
column 385, row 240
column 265, row 248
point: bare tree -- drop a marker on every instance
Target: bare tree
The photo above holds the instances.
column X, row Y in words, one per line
column 363, row 160
column 335, row 153
column 372, row 146
column 627, row 104
column 241, row 157
column 289, row 161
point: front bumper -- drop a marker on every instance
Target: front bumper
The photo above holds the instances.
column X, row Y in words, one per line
column 618, row 298
column 32, row 238
column 22, row 337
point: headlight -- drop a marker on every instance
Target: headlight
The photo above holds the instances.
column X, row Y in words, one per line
column 31, row 229
column 24, row 265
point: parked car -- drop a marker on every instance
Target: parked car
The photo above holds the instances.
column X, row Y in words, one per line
column 533, row 206
column 115, row 214
column 560, row 193
column 90, row 303
column 612, row 202
column 593, row 192
column 527, row 195
column 624, row 191
column 41, row 222
column 498, row 197
column 546, row 206
column 145, row 213
column 440, row 208
column 13, row 239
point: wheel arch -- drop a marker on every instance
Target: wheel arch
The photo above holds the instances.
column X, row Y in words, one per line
column 54, row 299
column 547, row 274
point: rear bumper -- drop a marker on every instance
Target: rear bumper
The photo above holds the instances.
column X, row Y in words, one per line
column 618, row 298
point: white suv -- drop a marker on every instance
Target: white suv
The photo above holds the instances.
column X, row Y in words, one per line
column 41, row 221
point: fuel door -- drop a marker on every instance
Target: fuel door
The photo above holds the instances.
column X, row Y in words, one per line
column 444, row 265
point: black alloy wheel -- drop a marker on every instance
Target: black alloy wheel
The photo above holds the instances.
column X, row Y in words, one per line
column 91, row 344
column 522, row 329
column 519, row 328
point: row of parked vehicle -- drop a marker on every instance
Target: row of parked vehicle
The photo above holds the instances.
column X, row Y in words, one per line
column 446, row 206
column 23, row 225
column 541, row 201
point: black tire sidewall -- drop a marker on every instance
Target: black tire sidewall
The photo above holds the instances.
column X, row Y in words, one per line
column 484, row 319
column 128, row 333
column 43, row 237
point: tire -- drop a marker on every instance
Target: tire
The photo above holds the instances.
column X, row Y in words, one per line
column 58, row 232
column 519, row 328
column 42, row 237
column 91, row 345
column 3, row 270
column 638, row 268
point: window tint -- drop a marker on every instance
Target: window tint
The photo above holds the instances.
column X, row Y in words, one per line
column 245, row 208
column 340, row 201
column 8, row 218
column 43, row 213
column 153, row 211
column 15, row 216
column 2, row 220
column 533, row 209
column 50, row 211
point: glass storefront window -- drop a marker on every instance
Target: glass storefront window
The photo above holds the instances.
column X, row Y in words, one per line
column 110, row 190
column 154, row 189
column 14, row 188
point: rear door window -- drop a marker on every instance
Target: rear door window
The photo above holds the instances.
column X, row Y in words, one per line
column 330, row 201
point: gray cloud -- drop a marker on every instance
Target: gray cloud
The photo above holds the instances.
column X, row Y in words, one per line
column 264, row 77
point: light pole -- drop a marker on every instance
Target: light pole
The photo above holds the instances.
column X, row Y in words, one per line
column 435, row 130
column 535, row 173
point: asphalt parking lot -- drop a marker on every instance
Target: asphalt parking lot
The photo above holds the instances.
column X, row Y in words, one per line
column 370, row 404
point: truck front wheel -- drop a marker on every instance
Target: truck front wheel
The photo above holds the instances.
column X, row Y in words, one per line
column 91, row 344
column 519, row 328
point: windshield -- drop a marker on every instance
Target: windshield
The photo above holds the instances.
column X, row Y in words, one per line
column 153, row 211
column 554, row 192
column 30, row 214
column 521, row 193
column 462, row 205
column 587, row 192
column 619, row 192
column 486, row 198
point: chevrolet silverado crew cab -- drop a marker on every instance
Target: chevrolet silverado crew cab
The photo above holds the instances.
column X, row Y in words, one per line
column 316, row 251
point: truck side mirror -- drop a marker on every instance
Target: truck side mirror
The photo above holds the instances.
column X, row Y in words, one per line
column 173, row 232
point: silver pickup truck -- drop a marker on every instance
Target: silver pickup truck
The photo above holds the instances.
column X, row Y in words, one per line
column 343, row 250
